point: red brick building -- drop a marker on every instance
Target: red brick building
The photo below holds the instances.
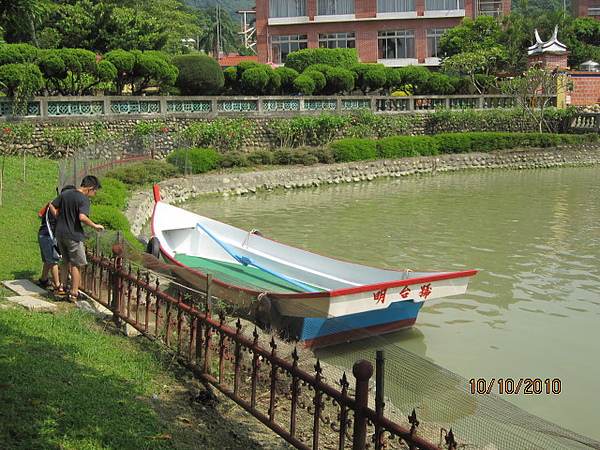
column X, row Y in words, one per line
column 392, row 32
column 586, row 8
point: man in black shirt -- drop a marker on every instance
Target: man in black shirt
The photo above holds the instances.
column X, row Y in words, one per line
column 73, row 212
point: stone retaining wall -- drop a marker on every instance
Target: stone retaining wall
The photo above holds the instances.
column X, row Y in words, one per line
column 180, row 189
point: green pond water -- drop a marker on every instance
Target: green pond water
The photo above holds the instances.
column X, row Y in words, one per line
column 532, row 311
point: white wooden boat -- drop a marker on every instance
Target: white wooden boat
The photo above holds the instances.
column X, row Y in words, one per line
column 313, row 298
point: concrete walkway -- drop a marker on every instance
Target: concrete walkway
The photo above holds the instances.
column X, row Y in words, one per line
column 34, row 298
column 30, row 296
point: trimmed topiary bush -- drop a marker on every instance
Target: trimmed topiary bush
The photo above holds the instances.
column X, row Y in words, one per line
column 195, row 160
column 198, row 74
column 112, row 219
column 406, row 146
column 354, row 149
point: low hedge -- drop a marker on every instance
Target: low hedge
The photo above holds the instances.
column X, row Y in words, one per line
column 406, row 146
column 113, row 193
column 354, row 149
column 113, row 219
column 149, row 171
column 195, row 160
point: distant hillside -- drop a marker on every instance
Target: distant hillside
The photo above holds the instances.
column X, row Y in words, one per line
column 229, row 5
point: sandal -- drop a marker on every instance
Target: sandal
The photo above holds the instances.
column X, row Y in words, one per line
column 60, row 291
column 74, row 297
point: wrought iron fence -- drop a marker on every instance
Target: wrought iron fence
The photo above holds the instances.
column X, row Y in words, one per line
column 307, row 410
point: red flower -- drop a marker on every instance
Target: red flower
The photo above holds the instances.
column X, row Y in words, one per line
column 6, row 130
column 164, row 129
column 229, row 134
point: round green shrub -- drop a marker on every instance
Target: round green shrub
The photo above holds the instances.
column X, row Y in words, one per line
column 198, row 74
column 195, row 160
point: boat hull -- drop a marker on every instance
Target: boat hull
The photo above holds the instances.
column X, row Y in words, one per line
column 309, row 297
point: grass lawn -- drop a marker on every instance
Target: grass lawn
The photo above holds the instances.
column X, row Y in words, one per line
column 19, row 222
column 70, row 381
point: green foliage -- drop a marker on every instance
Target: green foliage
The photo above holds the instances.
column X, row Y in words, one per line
column 75, row 71
column 222, row 134
column 194, row 160
column 294, row 156
column 336, row 57
column 287, row 77
column 406, row 146
column 482, row 33
column 198, row 74
column 369, row 76
column 254, row 81
column 109, row 216
column 143, row 173
column 306, row 84
column 492, row 141
column 151, row 69
column 260, row 157
column 234, row 158
column 20, row 81
column 354, row 149
column 123, row 62
column 18, row 54
column 113, row 193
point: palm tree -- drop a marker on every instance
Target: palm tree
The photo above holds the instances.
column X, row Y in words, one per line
column 219, row 33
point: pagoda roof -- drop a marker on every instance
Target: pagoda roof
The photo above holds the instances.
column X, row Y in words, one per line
column 553, row 45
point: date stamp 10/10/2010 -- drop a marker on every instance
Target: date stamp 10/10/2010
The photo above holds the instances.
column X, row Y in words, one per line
column 526, row 386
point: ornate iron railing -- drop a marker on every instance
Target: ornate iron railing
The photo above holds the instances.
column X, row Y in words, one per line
column 304, row 409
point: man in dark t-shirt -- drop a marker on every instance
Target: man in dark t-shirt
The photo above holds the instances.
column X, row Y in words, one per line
column 73, row 212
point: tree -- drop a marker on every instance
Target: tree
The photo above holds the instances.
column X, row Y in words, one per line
column 123, row 62
column 369, row 77
column 484, row 32
column 21, row 18
column 534, row 92
column 480, row 66
column 287, row 77
column 75, row 71
column 151, row 69
column 198, row 74
column 219, row 33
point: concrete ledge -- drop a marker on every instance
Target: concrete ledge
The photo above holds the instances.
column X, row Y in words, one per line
column 33, row 303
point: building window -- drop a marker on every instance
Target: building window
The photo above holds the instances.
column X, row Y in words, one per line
column 433, row 39
column 445, row 5
column 284, row 45
column 337, row 40
column 287, row 8
column 335, row 7
column 384, row 6
column 396, row 44
column 593, row 10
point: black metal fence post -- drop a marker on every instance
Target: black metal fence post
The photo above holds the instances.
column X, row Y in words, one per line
column 362, row 370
